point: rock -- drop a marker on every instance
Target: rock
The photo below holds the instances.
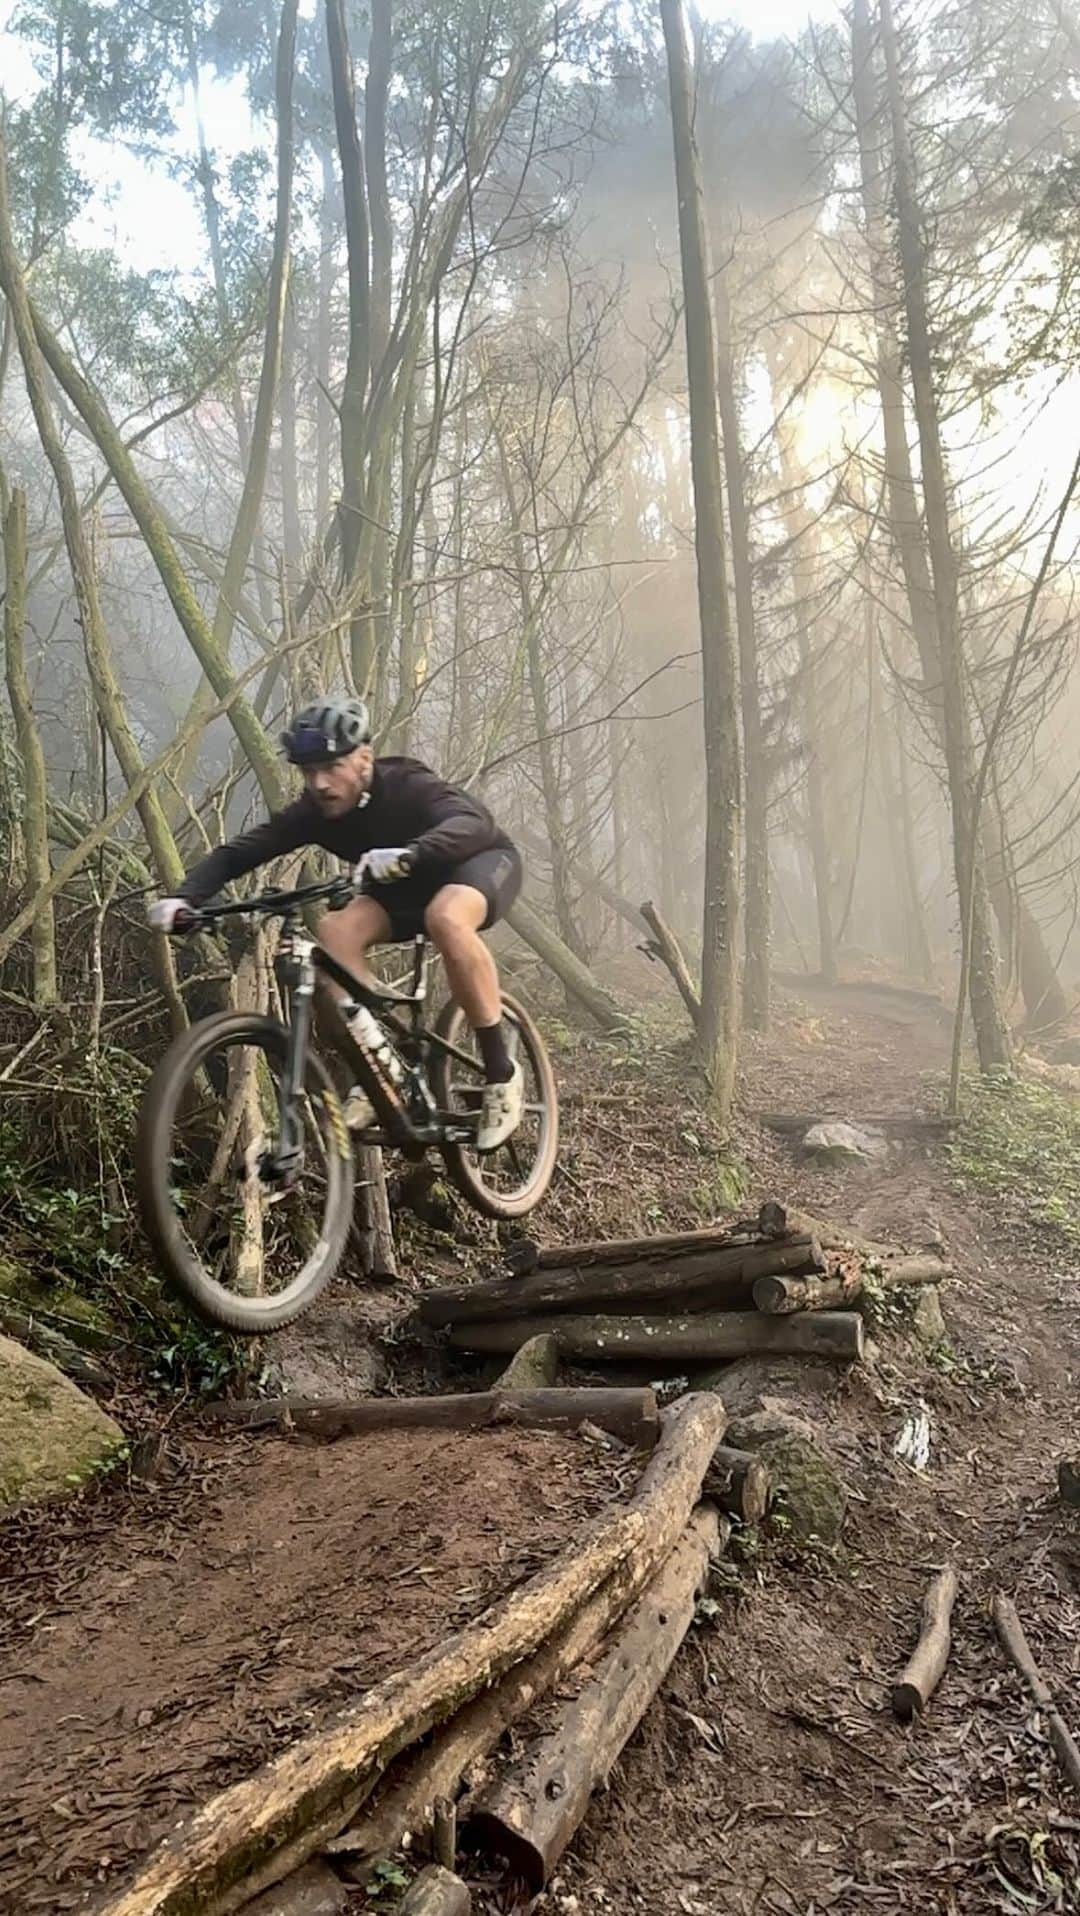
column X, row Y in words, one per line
column 533, row 1367
column 52, row 1437
column 835, row 1142
column 927, row 1320
column 312, row 1891
column 752, row 1382
column 1069, row 1481
column 809, row 1491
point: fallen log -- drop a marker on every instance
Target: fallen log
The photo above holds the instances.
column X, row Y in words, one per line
column 740, row 1483
column 714, row 1277
column 531, row 1813
column 690, row 1339
column 669, row 1488
column 436, row 1892
column 1015, row 1645
column 777, row 1295
column 919, row 1268
column 534, row 1366
column 894, row 1124
column 255, row 1832
column 665, row 947
column 625, row 1250
column 629, row 1414
column 926, row 1667
column 577, row 979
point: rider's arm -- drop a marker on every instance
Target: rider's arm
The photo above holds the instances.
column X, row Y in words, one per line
column 285, row 832
column 459, row 827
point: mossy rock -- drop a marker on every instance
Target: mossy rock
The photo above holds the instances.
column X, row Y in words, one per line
column 52, row 1437
column 85, row 1321
column 927, row 1320
column 810, row 1493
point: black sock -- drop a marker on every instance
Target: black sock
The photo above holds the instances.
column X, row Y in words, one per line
column 498, row 1064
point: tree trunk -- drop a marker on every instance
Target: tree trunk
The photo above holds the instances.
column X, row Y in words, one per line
column 35, row 818
column 812, row 726
column 255, row 447
column 107, row 694
column 896, row 805
column 758, row 930
column 353, row 406
column 933, row 595
column 151, row 522
column 373, row 1211
column 1045, row 1003
column 324, row 411
column 376, row 89
column 290, row 469
column 723, row 825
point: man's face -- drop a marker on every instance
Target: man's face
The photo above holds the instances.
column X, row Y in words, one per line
column 337, row 787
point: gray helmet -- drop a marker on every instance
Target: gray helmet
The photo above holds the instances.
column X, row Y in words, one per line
column 329, row 729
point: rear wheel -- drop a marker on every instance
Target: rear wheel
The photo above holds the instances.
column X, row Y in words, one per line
column 247, row 1252
column 511, row 1181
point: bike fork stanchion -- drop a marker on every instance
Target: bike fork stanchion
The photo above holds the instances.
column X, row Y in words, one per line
column 297, row 974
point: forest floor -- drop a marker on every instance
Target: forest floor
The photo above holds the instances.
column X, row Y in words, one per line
column 770, row 1778
column 160, row 1637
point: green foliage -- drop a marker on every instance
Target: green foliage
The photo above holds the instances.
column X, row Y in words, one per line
column 386, row 1879
column 119, row 63
column 140, row 329
column 74, row 1254
column 1022, row 1140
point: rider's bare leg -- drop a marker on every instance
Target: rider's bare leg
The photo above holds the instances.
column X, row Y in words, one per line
column 453, row 920
column 348, row 935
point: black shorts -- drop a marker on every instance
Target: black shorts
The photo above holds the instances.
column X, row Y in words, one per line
column 496, row 875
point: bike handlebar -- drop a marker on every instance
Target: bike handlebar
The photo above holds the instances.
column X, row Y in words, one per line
column 268, row 904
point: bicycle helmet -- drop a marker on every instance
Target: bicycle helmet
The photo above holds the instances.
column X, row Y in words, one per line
column 330, row 729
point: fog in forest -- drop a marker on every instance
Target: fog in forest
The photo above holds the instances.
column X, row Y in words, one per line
column 356, row 347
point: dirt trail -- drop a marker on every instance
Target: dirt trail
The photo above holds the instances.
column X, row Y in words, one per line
column 772, row 1777
column 209, row 1624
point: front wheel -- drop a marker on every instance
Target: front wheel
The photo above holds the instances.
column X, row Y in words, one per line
column 249, row 1251
column 511, row 1181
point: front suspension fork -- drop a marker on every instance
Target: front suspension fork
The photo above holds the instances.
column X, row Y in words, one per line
column 296, row 975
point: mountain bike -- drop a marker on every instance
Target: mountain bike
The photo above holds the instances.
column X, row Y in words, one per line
column 244, row 1165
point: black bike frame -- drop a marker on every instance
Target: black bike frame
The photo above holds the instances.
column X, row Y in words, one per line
column 300, row 962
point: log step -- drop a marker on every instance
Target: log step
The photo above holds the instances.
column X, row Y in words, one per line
column 688, row 1339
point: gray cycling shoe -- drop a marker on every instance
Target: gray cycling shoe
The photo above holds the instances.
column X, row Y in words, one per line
column 500, row 1113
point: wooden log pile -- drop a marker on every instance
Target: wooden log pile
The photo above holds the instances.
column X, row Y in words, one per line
column 590, row 1637
column 780, row 1284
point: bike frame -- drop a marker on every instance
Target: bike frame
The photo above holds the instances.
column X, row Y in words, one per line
column 298, row 966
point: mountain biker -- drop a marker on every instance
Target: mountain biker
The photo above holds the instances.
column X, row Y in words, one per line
column 433, row 860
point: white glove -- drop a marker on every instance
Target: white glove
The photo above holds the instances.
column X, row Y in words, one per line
column 385, row 866
column 164, row 912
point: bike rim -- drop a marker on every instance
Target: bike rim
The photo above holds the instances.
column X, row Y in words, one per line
column 509, row 1172
column 256, row 1242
